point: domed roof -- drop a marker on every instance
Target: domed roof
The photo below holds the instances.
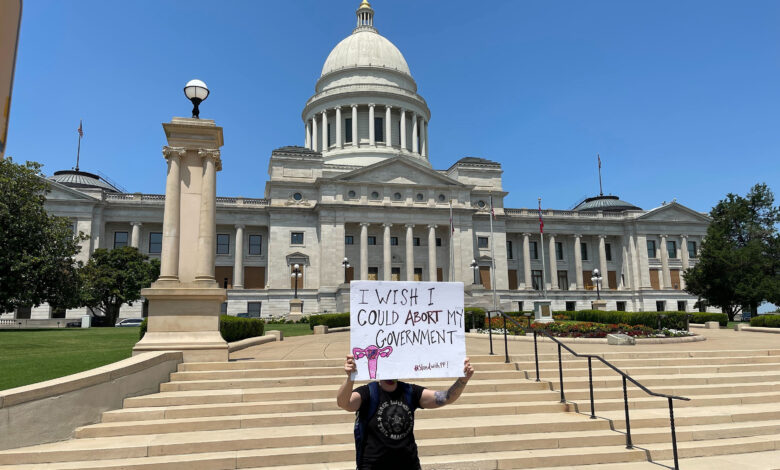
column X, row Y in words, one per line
column 82, row 179
column 605, row 203
column 365, row 48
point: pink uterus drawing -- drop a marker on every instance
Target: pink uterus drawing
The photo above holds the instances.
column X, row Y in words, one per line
column 372, row 353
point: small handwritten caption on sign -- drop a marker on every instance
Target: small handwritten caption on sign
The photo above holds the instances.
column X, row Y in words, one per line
column 405, row 330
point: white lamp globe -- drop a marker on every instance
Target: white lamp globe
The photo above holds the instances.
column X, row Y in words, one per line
column 196, row 91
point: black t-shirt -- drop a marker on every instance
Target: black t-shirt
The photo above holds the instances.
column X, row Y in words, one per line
column 389, row 437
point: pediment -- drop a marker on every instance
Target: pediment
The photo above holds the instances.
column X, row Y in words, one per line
column 398, row 170
column 673, row 212
column 60, row 192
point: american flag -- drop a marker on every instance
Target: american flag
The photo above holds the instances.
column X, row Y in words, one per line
column 492, row 212
column 541, row 222
column 81, row 130
column 599, row 157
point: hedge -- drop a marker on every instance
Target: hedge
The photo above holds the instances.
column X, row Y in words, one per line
column 231, row 328
column 768, row 321
column 331, row 320
column 673, row 320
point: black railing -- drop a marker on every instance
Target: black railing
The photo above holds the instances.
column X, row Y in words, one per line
column 626, row 378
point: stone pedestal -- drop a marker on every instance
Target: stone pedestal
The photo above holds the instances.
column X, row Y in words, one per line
column 185, row 319
column 184, row 303
column 296, row 310
column 598, row 305
column 543, row 311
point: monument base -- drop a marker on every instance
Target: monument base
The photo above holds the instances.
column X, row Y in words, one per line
column 598, row 305
column 296, row 310
column 543, row 311
column 184, row 318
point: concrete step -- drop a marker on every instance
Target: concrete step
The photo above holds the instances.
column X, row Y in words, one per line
column 635, row 371
column 570, row 361
column 583, row 406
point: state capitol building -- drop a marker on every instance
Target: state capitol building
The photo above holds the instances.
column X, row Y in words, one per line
column 362, row 188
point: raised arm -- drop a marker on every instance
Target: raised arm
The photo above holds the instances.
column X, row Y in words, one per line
column 347, row 399
column 437, row 398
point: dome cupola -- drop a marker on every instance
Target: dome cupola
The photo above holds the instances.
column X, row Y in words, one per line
column 366, row 107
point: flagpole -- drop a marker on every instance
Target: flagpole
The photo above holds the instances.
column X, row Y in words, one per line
column 601, row 190
column 493, row 254
column 544, row 268
column 78, row 150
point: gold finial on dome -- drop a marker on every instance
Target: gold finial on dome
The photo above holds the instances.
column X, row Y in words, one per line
column 364, row 4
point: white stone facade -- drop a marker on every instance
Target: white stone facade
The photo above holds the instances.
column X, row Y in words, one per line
column 362, row 188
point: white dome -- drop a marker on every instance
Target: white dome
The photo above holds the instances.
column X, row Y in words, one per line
column 365, row 49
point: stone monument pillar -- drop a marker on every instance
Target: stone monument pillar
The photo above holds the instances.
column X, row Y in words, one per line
column 184, row 303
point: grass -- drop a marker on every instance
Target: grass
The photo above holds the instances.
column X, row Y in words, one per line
column 30, row 356
column 290, row 329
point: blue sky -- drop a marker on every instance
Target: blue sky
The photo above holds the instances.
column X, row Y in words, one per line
column 679, row 98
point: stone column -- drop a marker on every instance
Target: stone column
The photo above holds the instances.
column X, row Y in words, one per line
column 686, row 258
column 315, row 135
column 415, row 139
column 238, row 259
column 355, row 139
column 644, row 263
column 403, row 128
column 432, row 253
column 308, row 135
column 339, row 141
column 527, row 261
column 135, row 237
column 371, row 130
column 325, row 140
column 633, row 256
column 363, row 251
column 207, row 231
column 424, row 138
column 578, row 260
column 388, row 126
column 553, row 264
column 409, row 252
column 387, row 259
column 624, row 280
column 666, row 277
column 603, row 262
column 169, row 258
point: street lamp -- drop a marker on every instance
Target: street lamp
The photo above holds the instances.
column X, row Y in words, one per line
column 475, row 266
column 345, row 263
column 197, row 92
column 296, row 274
column 596, row 279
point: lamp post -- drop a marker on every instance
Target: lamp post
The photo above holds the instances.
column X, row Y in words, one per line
column 345, row 263
column 296, row 274
column 596, row 279
column 475, row 266
column 197, row 92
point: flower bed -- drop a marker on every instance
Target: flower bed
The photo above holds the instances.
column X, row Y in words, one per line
column 601, row 330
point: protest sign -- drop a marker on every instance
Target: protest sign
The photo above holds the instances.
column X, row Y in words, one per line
column 404, row 330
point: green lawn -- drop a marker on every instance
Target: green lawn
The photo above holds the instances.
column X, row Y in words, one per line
column 30, row 356
column 290, row 329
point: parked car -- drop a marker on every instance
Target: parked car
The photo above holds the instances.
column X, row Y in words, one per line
column 73, row 324
column 130, row 322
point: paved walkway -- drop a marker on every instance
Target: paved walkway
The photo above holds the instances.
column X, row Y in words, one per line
column 336, row 345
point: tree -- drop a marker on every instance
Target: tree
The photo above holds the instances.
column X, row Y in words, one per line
column 37, row 249
column 114, row 277
column 739, row 261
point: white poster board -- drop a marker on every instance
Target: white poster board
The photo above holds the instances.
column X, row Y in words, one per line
column 404, row 330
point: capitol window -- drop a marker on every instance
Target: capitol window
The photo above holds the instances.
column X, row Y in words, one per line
column 120, row 239
column 480, row 204
column 372, row 240
column 442, row 197
column 296, row 238
column 297, row 196
column 393, row 241
column 155, row 242
column 255, row 244
column 397, row 196
column 420, row 197
column 349, row 240
column 374, row 195
column 348, row 130
column 351, row 194
column 223, row 244
column 379, row 129
column 482, row 242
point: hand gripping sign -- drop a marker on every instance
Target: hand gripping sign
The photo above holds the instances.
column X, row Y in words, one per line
column 372, row 353
column 415, row 328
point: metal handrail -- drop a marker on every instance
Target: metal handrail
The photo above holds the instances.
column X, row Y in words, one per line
column 590, row 357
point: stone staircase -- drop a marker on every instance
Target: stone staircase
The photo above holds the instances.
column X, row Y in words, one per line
column 282, row 415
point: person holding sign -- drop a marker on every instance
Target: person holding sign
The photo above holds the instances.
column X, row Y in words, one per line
column 384, row 425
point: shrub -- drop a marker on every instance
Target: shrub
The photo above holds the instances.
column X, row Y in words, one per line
column 473, row 317
column 701, row 317
column 143, row 328
column 331, row 320
column 672, row 320
column 498, row 324
column 769, row 321
column 236, row 329
column 231, row 328
column 592, row 330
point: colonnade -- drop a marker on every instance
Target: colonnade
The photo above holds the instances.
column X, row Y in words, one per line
column 387, row 251
column 633, row 264
column 317, row 139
